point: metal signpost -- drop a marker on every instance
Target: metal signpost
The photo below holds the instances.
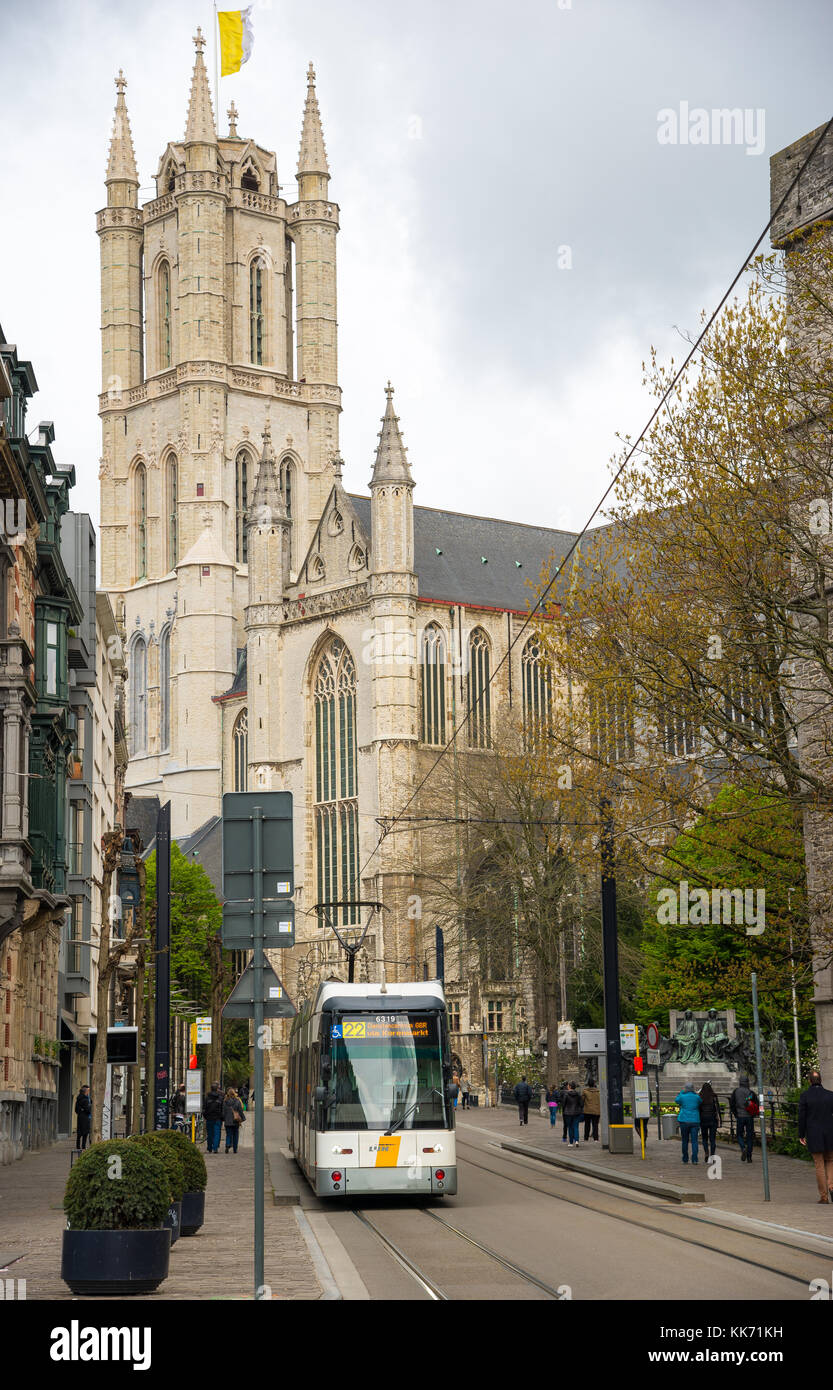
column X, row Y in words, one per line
column 653, row 1059
column 258, row 884
column 162, row 1009
column 761, row 1111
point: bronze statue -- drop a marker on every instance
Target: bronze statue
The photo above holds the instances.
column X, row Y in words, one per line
column 687, row 1039
column 714, row 1039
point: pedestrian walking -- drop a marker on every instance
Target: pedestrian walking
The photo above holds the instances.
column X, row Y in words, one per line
column 244, row 1095
column 592, row 1111
column 743, row 1104
column 213, row 1112
column 178, row 1107
column 689, row 1118
column 573, row 1111
column 84, row 1111
column 233, row 1117
column 711, row 1118
column 464, row 1091
column 552, row 1104
column 562, row 1096
column 523, row 1095
column 815, row 1132
column 454, row 1090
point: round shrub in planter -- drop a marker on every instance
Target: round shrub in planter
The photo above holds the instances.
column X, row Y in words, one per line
column 196, row 1177
column 175, row 1169
column 115, row 1200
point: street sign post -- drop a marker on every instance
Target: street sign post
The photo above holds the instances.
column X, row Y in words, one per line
column 258, row 884
column 204, row 1031
column 193, row 1092
column 653, row 1055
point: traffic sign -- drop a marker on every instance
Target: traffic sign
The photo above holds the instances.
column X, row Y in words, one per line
column 278, row 872
column 239, row 925
column 652, row 1036
column 627, row 1037
column 204, row 1030
column 652, row 1057
column 276, row 1001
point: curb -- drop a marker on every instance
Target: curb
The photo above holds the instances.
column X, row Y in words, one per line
column 655, row 1186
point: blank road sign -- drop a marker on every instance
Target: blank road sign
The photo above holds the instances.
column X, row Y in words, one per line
column 278, row 925
column 238, row 845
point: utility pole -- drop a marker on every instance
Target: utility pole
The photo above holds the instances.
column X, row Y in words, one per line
column 620, row 1136
column 758, row 1064
column 162, row 1003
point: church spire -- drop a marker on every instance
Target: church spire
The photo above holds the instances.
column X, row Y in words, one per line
column 312, row 156
column 267, row 506
column 391, row 464
column 121, row 162
column 200, row 127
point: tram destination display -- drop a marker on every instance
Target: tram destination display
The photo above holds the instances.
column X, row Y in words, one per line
column 382, row 1028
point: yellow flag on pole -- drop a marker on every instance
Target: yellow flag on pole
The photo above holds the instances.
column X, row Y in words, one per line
column 236, row 39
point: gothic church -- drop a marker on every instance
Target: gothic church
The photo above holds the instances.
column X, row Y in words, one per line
column 283, row 632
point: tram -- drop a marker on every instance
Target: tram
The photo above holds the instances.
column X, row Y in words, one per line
column 369, row 1075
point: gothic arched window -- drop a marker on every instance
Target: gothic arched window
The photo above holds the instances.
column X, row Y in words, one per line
column 173, row 532
column 240, row 745
column 138, row 717
column 257, row 309
column 165, row 689
column 336, row 781
column 536, row 686
column 164, row 315
column 140, row 512
column 432, row 675
column 479, row 691
column 241, row 493
column 286, row 491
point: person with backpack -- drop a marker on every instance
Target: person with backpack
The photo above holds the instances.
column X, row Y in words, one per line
column 815, row 1132
column 523, row 1095
column 573, row 1112
column 213, row 1112
column 743, row 1104
column 711, row 1118
column 454, row 1090
column 689, row 1120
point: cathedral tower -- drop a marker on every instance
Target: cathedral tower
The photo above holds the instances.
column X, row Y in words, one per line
column 218, row 314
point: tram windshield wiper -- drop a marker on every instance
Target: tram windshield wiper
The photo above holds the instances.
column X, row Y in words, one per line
column 416, row 1104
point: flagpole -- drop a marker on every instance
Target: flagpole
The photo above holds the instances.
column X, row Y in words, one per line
column 216, row 73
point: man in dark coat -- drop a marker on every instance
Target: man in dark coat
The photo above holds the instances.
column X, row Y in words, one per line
column 745, row 1122
column 84, row 1111
column 213, row 1112
column 523, row 1095
column 815, row 1131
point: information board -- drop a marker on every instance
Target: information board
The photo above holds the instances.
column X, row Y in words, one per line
column 193, row 1092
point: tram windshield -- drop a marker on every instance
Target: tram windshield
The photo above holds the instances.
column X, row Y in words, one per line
column 386, row 1071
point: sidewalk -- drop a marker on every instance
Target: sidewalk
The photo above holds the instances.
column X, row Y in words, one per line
column 217, row 1263
column 738, row 1190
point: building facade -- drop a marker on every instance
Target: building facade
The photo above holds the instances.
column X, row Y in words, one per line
column 283, row 632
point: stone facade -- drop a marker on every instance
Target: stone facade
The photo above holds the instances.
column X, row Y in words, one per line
column 254, row 618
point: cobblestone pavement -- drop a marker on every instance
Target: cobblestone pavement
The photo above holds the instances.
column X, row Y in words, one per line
column 738, row 1189
column 217, row 1263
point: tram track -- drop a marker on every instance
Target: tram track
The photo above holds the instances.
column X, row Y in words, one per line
column 672, row 1217
column 429, row 1285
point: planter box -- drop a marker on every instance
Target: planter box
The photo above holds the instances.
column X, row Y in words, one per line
column 193, row 1213
column 173, row 1221
column 115, row 1262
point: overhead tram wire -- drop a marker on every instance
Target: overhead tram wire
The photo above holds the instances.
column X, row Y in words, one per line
column 659, row 407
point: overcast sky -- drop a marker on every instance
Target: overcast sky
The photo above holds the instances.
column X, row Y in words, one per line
column 469, row 144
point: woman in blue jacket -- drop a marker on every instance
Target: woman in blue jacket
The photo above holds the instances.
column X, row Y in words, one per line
column 689, row 1118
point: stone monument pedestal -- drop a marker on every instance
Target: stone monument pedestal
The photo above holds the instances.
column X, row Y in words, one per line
column 675, row 1075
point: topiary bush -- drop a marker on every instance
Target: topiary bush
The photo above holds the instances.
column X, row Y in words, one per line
column 196, row 1174
column 129, row 1195
column 168, row 1157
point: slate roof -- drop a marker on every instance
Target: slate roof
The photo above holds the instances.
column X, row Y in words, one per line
column 514, row 554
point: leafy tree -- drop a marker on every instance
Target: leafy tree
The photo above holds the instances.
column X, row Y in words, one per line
column 744, row 839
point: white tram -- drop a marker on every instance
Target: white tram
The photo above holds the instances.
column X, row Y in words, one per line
column 369, row 1075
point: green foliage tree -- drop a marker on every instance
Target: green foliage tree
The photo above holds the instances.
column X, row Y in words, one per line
column 745, row 839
